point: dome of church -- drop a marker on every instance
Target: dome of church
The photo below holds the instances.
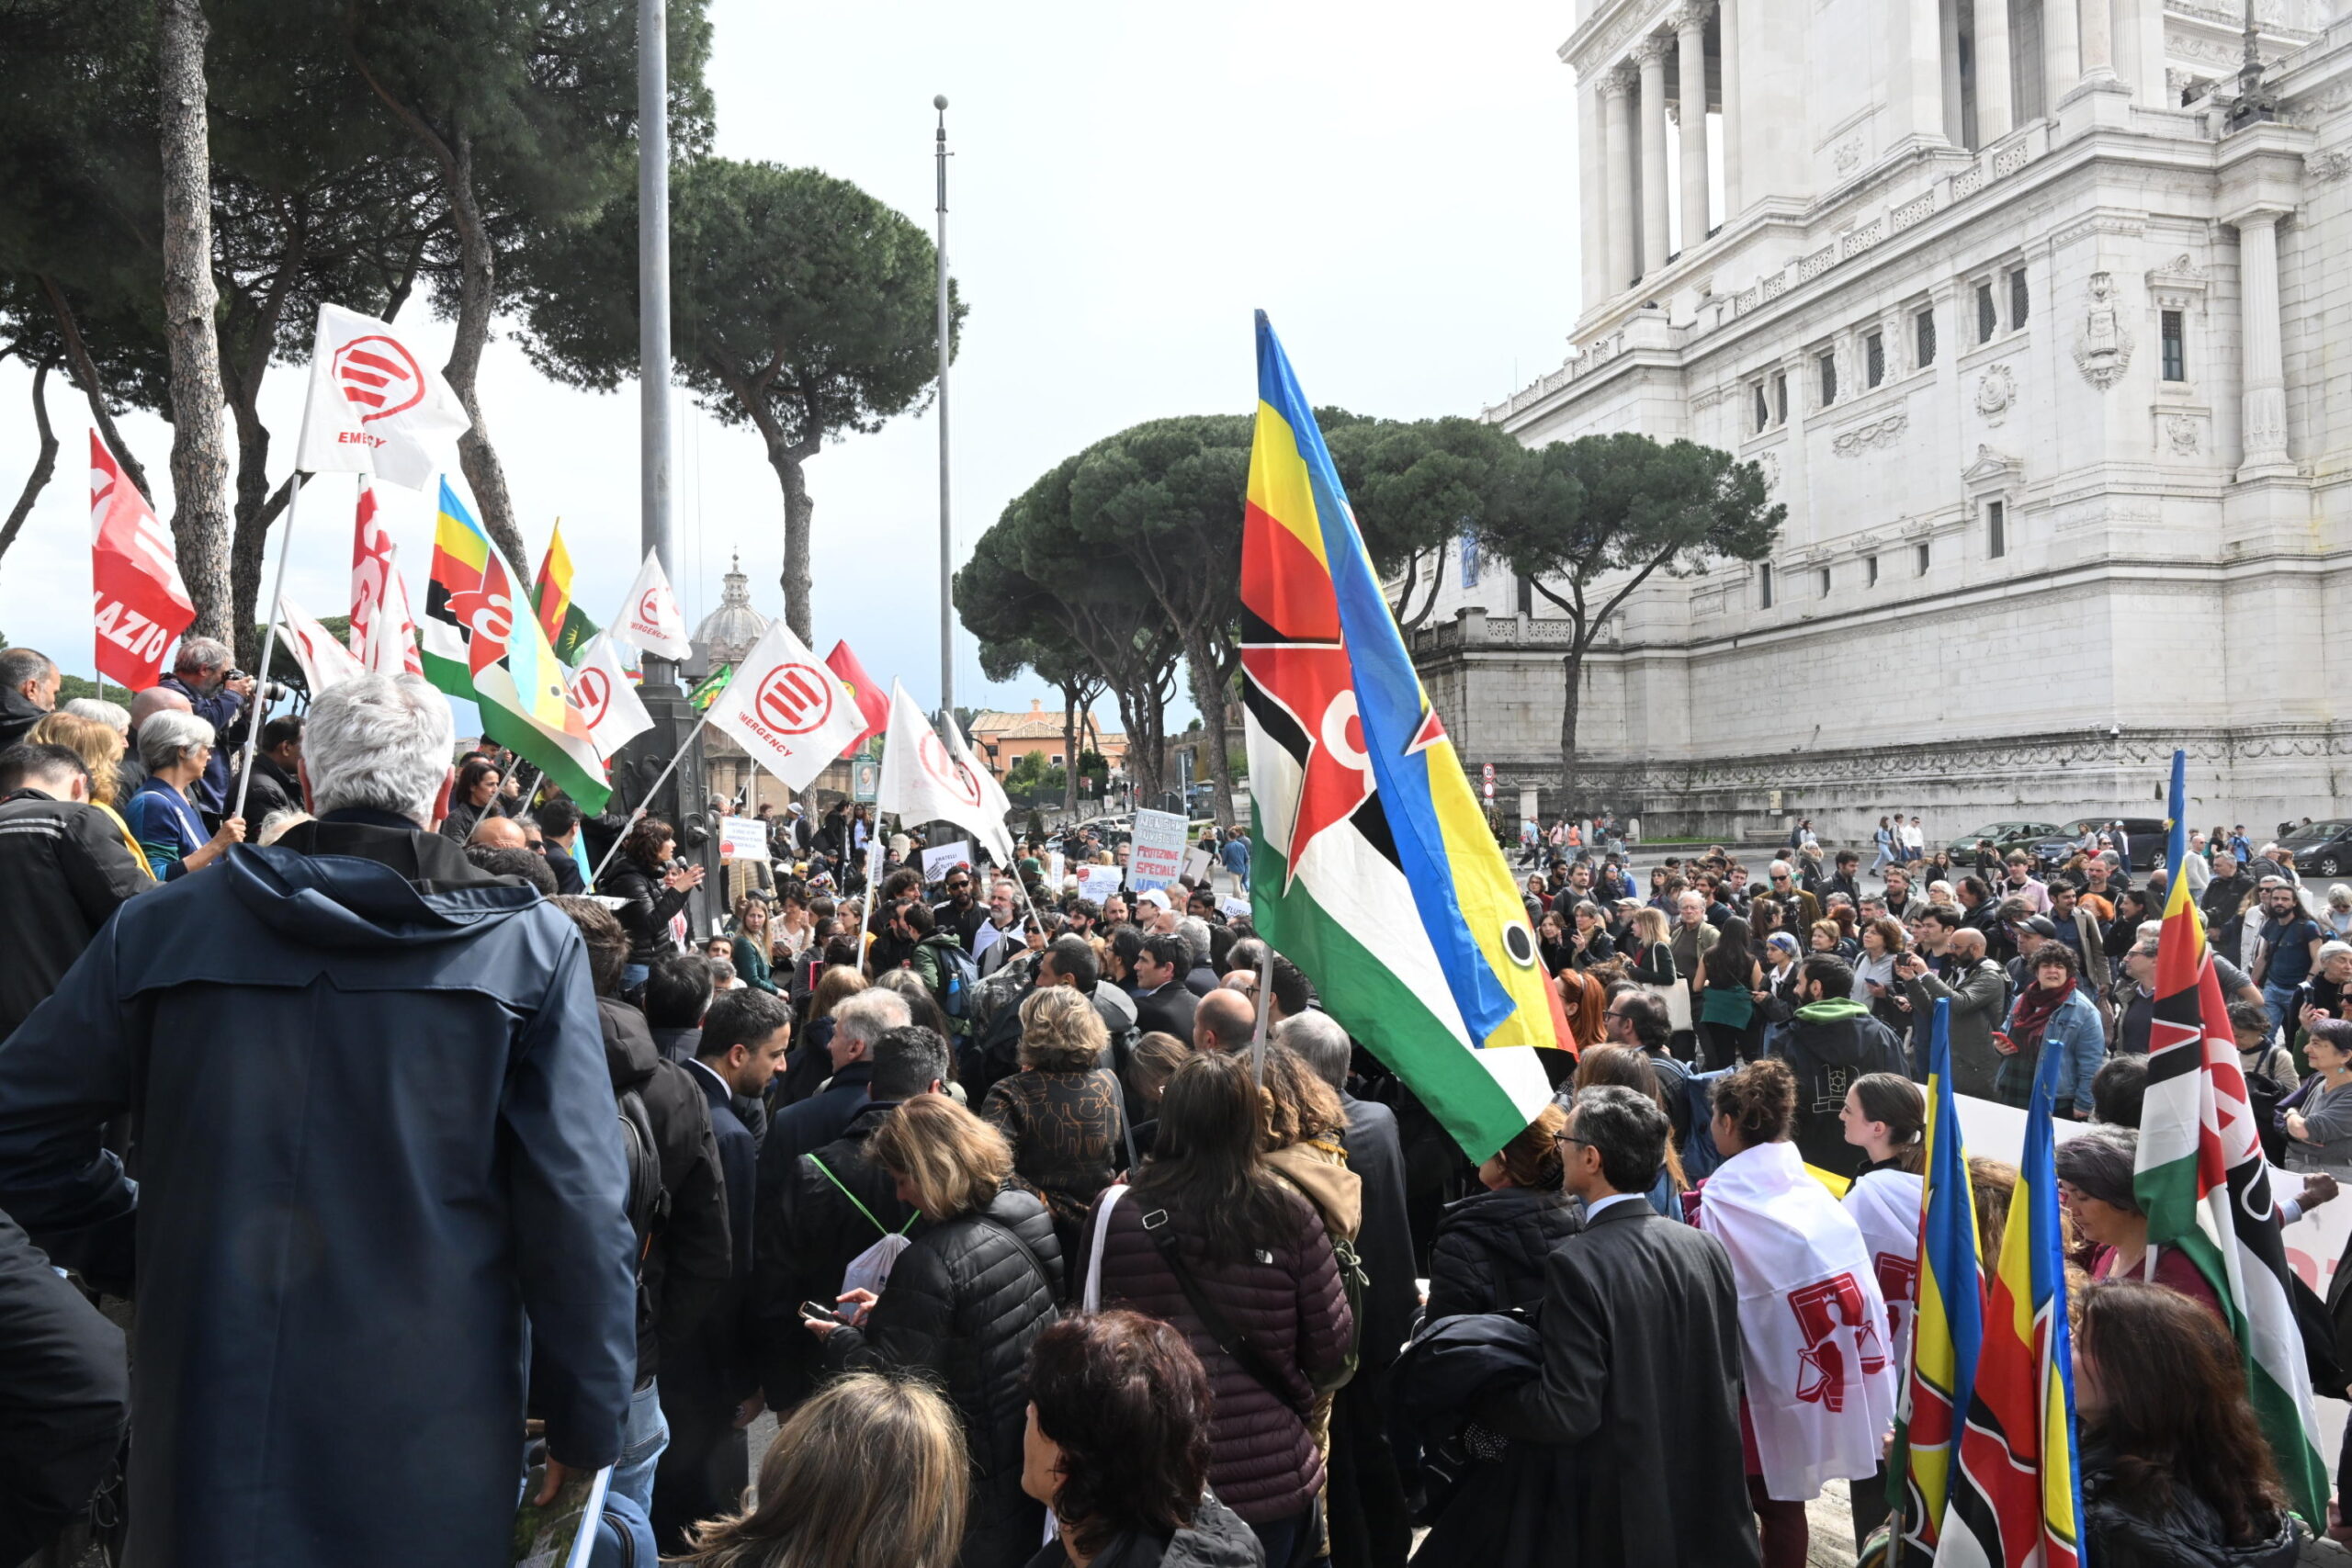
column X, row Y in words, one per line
column 729, row 630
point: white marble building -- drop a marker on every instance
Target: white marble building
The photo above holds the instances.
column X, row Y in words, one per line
column 2052, row 365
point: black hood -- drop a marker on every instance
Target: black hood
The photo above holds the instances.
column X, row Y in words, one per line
column 1517, row 1222
column 629, row 1051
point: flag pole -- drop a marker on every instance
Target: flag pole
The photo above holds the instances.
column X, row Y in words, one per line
column 268, row 648
column 676, row 758
column 1265, row 1016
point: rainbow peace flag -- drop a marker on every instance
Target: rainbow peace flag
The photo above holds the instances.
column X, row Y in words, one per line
column 1371, row 866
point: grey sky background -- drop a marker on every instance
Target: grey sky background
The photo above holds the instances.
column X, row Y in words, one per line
column 1393, row 183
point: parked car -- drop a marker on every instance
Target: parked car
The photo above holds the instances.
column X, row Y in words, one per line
column 2143, row 838
column 2324, row 849
column 2006, row 836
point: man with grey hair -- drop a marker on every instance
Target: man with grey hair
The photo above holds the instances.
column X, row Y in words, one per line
column 859, row 1020
column 28, row 683
column 1199, row 978
column 370, row 1085
column 200, row 672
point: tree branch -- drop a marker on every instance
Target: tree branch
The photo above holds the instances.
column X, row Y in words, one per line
column 1437, row 581
column 44, row 465
column 84, row 373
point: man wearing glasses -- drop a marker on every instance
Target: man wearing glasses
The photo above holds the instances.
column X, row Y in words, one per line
column 1799, row 908
column 961, row 913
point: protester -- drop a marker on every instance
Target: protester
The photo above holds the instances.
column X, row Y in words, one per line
column 2175, row 1466
column 749, row 947
column 1490, row 1249
column 176, row 750
column 1638, row 1398
column 859, row 1020
column 351, row 1001
column 2318, row 1119
column 1820, row 1390
column 28, row 683
column 647, row 910
column 966, row 1301
column 2095, row 1185
column 1226, row 1239
column 65, row 869
column 99, row 747
column 1886, row 1118
column 220, row 697
column 65, row 1397
column 277, row 759
column 678, row 993
column 1644, row 1075
column 2054, row 1014
column 873, row 1472
column 1731, row 981
column 1831, row 1040
column 1063, row 1113
column 473, row 797
column 1117, row 1447
column 558, row 833
column 1162, row 1000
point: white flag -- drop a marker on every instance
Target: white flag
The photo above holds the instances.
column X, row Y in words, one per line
column 324, row 660
column 650, row 615
column 606, row 698
column 924, row 779
column 374, row 408
column 791, row 713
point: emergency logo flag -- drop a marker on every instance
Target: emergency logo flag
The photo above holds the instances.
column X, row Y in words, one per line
column 1948, row 1325
column 1371, row 864
column 606, row 696
column 787, row 710
column 871, row 699
column 2205, row 1187
column 925, row 779
column 325, row 661
column 383, row 634
column 2017, row 1500
column 650, row 616
column 560, row 616
column 373, row 407
column 138, row 601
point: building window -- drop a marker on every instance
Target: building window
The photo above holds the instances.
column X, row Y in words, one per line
column 1469, row 560
column 1996, row 530
column 2018, row 300
column 1825, row 582
column 1781, row 397
column 1987, row 319
column 1764, row 585
column 2175, row 342
column 1925, row 322
column 1763, row 409
column 1869, row 572
column 1828, row 362
column 1874, row 357
column 1919, row 560
column 1057, row 759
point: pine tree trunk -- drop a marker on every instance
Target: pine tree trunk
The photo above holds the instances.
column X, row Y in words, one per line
column 44, row 465
column 1069, row 753
column 1209, row 695
column 477, row 297
column 250, row 541
column 199, row 456
column 798, row 510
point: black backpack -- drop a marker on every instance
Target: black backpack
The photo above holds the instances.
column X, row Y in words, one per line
column 649, row 1200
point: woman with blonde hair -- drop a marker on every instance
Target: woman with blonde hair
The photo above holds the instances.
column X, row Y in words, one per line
column 967, row 1297
column 820, row 1505
column 1063, row 1112
column 100, row 747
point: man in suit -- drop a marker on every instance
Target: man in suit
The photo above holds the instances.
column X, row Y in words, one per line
column 858, row 1022
column 1162, row 1003
column 1641, row 1383
column 708, row 1381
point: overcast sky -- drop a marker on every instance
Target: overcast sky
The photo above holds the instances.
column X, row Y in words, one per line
column 1394, row 183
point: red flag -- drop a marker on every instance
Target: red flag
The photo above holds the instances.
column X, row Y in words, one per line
column 383, row 637
column 138, row 601
column 872, row 702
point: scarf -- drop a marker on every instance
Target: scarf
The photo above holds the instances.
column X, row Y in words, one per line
column 2033, row 1013
column 1820, row 1374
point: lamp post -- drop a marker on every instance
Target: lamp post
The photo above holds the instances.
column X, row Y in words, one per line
column 947, row 535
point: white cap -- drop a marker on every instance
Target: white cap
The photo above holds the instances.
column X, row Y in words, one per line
column 1154, row 897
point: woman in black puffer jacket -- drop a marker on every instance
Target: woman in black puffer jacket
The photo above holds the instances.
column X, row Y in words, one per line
column 964, row 1303
column 1490, row 1246
column 640, row 875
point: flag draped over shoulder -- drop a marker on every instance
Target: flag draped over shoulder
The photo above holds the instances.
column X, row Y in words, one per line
column 1371, row 865
column 2205, row 1187
column 2018, row 1497
column 1948, row 1323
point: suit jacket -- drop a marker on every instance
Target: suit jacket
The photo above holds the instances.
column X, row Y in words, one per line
column 738, row 1161
column 1641, row 1389
column 1168, row 1010
column 1385, row 1243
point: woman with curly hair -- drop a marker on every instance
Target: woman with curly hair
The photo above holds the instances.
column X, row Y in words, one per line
column 653, row 892
column 1063, row 1112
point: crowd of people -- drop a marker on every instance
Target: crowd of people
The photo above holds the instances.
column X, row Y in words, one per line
column 1054, row 1232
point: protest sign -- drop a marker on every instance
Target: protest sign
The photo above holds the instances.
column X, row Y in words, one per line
column 1156, row 853
column 1097, row 882
column 940, row 859
column 743, row 838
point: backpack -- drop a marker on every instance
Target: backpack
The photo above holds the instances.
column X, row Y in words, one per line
column 649, row 1200
column 959, row 985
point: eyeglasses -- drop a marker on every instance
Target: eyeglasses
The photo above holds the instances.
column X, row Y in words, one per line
column 1571, row 1138
column 1620, row 1017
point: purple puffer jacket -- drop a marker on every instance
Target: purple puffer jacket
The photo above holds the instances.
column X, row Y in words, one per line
column 1261, row 1461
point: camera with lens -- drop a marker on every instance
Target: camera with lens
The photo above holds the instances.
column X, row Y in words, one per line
column 267, row 691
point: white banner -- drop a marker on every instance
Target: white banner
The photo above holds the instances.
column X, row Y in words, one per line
column 940, row 859
column 925, row 781
column 374, row 408
column 791, row 713
column 607, row 698
column 1155, row 855
column 1098, row 882
column 743, row 838
column 650, row 616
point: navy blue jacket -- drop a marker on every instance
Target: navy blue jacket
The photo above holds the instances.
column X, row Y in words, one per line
column 375, row 1133
column 739, row 1156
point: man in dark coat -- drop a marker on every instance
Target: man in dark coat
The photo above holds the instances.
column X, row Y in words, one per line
column 64, row 1396
column 276, row 786
column 1640, row 1386
column 374, row 1136
column 858, row 1022
column 1162, row 1002
column 65, row 867
column 200, row 673
column 28, row 683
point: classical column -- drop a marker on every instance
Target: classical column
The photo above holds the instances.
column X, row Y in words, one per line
column 2262, row 414
column 1617, row 111
column 2062, row 52
column 1592, row 194
column 1955, row 110
column 1735, row 119
column 2097, row 40
column 1651, row 52
column 1691, row 54
column 1993, row 117
column 1916, row 83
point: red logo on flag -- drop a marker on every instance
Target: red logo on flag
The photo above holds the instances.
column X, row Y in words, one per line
column 795, row 698
column 378, row 377
column 955, row 775
column 1825, row 1308
column 651, row 609
column 594, row 692
column 485, row 613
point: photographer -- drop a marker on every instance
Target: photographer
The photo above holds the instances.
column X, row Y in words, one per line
column 220, row 695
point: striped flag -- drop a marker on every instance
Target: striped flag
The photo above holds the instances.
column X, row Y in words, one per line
column 567, row 627
column 1371, row 865
column 2204, row 1184
column 1948, row 1325
column 2017, row 1500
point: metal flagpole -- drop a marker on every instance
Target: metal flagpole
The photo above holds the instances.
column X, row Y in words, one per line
column 946, row 542
column 268, row 649
column 676, row 758
column 1265, row 1017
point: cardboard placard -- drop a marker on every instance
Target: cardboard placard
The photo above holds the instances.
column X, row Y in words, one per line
column 1097, row 882
column 1156, row 854
column 941, row 859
